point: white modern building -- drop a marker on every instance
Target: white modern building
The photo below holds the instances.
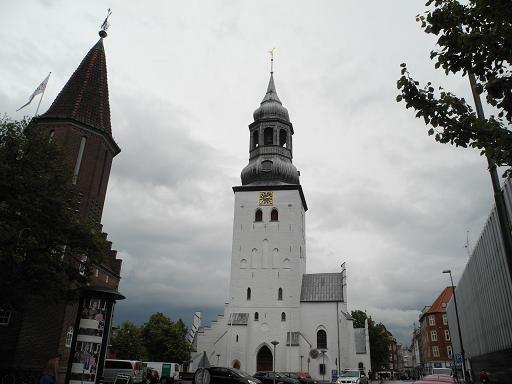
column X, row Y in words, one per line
column 271, row 297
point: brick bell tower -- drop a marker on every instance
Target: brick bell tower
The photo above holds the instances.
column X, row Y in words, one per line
column 79, row 121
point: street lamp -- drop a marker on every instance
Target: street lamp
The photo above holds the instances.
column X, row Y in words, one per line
column 323, row 363
column 274, row 343
column 458, row 325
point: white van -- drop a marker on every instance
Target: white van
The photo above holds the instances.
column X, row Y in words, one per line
column 131, row 368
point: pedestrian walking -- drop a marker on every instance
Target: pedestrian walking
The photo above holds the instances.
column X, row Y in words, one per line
column 50, row 372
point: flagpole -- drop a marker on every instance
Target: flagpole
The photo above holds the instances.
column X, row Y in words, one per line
column 41, row 98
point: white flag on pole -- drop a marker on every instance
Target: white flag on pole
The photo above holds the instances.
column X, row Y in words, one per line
column 39, row 89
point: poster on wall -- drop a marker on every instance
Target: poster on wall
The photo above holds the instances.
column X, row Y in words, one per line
column 89, row 341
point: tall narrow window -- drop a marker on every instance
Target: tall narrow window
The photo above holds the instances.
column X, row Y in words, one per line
column 256, row 316
column 248, row 293
column 280, row 294
column 258, row 216
column 76, row 171
column 321, row 339
column 447, row 335
column 283, row 316
column 255, row 139
column 433, row 335
column 52, row 133
column 274, row 215
column 282, row 137
column 268, row 136
column 69, row 337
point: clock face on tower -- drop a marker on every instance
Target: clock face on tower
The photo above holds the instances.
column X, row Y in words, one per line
column 266, row 198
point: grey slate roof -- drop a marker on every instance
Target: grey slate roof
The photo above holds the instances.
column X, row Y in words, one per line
column 322, row 287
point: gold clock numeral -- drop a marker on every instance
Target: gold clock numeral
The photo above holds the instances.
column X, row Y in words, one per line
column 266, row 198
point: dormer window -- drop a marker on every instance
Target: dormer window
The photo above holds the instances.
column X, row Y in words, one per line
column 258, row 216
column 274, row 215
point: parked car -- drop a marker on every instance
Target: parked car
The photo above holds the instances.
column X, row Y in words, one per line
column 221, row 375
column 353, row 376
column 268, row 378
column 131, row 368
column 438, row 379
column 303, row 377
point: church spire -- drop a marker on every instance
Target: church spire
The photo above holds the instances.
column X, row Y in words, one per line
column 84, row 98
column 270, row 149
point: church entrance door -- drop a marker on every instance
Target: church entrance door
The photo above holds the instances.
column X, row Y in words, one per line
column 264, row 359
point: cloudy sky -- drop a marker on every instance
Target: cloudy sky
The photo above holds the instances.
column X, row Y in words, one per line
column 184, row 79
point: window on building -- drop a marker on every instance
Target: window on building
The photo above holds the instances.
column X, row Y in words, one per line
column 268, row 136
column 248, row 293
column 432, row 320
column 322, row 369
column 78, row 161
column 255, row 139
column 447, row 335
column 433, row 335
column 69, row 337
column 256, row 316
column 280, row 294
column 258, row 216
column 449, row 351
column 321, row 339
column 5, row 316
column 283, row 316
column 435, row 351
column 445, row 319
column 274, row 215
column 52, row 133
column 237, row 338
column 282, row 137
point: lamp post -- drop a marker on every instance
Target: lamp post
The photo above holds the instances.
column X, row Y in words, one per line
column 301, row 357
column 458, row 325
column 323, row 363
column 274, row 343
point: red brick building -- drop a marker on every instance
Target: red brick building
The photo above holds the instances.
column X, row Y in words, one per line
column 436, row 345
column 79, row 120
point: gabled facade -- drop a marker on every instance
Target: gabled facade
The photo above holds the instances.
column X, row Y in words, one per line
column 271, row 298
column 436, row 345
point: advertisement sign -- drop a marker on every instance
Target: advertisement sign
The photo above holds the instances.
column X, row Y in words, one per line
column 89, row 341
column 334, row 375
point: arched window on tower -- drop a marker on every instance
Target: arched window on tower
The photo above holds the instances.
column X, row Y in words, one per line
column 268, row 136
column 256, row 316
column 258, row 216
column 283, row 316
column 321, row 339
column 255, row 139
column 280, row 294
column 274, row 215
column 282, row 137
column 248, row 293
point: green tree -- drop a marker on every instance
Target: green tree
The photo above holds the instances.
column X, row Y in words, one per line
column 165, row 339
column 379, row 337
column 128, row 342
column 473, row 37
column 42, row 245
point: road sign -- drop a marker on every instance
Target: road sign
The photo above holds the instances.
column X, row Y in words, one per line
column 458, row 359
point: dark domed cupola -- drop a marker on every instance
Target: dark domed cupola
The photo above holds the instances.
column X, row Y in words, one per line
column 270, row 150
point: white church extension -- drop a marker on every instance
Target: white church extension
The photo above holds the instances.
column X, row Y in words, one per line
column 271, row 298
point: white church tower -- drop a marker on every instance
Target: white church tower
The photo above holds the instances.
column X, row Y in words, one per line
column 271, row 298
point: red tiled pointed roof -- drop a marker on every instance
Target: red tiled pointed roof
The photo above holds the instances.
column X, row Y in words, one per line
column 84, row 98
column 440, row 304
